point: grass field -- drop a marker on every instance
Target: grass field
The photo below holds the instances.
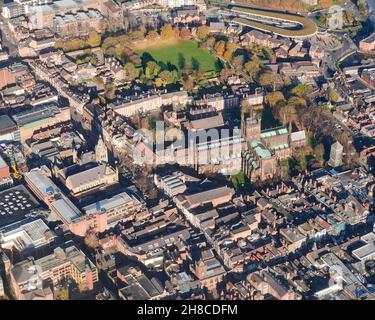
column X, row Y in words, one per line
column 172, row 53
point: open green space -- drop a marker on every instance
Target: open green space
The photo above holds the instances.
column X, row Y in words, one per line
column 182, row 53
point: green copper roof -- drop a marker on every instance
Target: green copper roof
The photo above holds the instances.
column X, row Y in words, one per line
column 260, row 150
column 273, row 132
column 37, row 123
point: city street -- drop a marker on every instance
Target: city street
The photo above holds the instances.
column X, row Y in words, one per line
column 8, row 40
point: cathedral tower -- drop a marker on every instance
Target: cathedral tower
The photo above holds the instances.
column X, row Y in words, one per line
column 101, row 152
column 252, row 127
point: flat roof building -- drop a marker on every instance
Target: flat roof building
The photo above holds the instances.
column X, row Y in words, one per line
column 67, row 261
column 215, row 196
column 367, row 251
column 120, row 207
column 27, row 237
column 171, row 184
column 8, row 130
column 15, row 204
column 38, row 117
column 352, row 285
column 48, row 192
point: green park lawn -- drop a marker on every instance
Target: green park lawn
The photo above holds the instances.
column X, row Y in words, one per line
column 188, row 49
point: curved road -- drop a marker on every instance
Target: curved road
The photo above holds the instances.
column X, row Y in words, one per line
column 308, row 26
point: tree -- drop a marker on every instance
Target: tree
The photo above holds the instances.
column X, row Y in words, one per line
column 228, row 55
column 218, row 65
column 152, row 35
column 134, row 58
column 131, row 71
column 267, row 78
column 167, row 77
column 146, row 58
column 159, row 82
column 152, row 69
column 181, row 61
column 287, row 81
column 203, row 32
column 167, row 32
column 99, row 82
column 302, row 162
column 297, row 102
column 231, row 46
column 333, row 96
column 252, row 67
column 301, row 90
column 210, row 42
column 319, row 151
column 63, row 294
column 220, row 47
column 238, row 62
column 274, row 98
column 91, row 239
column 176, row 32
column 225, row 73
column 110, row 90
column 137, row 35
column 93, row 59
column 187, row 83
column 195, row 65
column 71, row 45
column 59, row 44
column 94, row 39
column 185, row 34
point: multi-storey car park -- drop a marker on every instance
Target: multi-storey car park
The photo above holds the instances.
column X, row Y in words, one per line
column 262, row 19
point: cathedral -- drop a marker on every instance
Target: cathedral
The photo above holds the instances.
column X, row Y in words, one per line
column 265, row 148
column 101, row 152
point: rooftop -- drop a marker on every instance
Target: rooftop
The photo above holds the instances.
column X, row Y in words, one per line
column 208, row 196
column 140, row 288
column 88, row 176
column 63, row 4
column 365, row 252
column 208, row 123
column 6, row 123
column 44, row 184
column 24, row 234
column 15, row 203
column 109, row 203
column 352, row 283
column 66, row 209
column 273, row 132
column 299, row 135
column 260, row 150
column 67, row 253
column 37, row 113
